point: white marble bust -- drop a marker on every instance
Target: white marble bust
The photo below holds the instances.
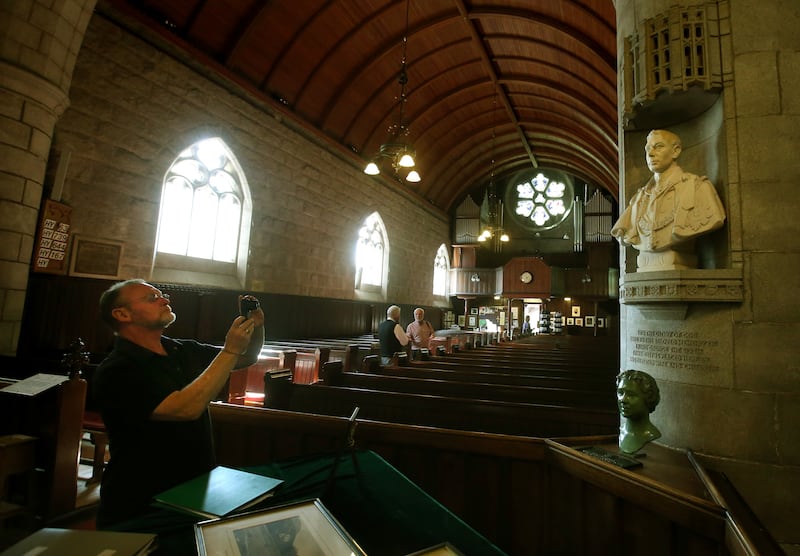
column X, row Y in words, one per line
column 674, row 207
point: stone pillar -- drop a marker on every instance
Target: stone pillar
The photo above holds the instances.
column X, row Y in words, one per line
column 721, row 339
column 39, row 43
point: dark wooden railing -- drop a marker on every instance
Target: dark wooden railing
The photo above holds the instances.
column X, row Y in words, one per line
column 527, row 495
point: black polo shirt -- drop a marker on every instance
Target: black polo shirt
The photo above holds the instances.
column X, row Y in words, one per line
column 148, row 456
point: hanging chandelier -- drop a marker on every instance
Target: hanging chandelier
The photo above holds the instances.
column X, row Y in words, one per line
column 397, row 150
column 494, row 225
column 494, row 219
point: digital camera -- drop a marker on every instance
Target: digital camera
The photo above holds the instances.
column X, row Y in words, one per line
column 246, row 305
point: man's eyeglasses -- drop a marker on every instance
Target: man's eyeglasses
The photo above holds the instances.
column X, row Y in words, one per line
column 152, row 298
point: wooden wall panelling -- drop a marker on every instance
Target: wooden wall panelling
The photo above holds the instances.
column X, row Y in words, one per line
column 643, row 531
column 600, row 527
column 562, row 526
column 60, row 308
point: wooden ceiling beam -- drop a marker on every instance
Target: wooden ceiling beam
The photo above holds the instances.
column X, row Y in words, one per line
column 487, row 61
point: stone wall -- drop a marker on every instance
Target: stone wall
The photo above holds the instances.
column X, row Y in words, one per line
column 727, row 369
column 39, row 43
column 134, row 107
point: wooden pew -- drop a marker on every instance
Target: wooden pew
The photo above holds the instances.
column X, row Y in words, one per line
column 524, row 419
column 348, row 350
column 501, row 379
column 246, row 385
column 572, row 394
column 450, row 341
column 588, row 360
column 527, row 495
column 487, row 366
column 595, row 380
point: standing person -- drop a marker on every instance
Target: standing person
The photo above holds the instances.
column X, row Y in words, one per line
column 526, row 326
column 154, row 392
column 391, row 335
column 669, row 211
column 419, row 333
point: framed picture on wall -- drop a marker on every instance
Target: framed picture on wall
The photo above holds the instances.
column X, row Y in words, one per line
column 473, row 321
column 95, row 258
column 473, row 311
column 601, row 322
column 576, row 311
column 588, row 321
column 462, row 321
column 570, row 321
column 579, row 322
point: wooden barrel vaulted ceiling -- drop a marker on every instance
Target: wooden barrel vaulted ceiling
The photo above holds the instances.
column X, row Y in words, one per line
column 526, row 83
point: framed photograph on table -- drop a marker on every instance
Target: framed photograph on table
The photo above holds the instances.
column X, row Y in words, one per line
column 442, row 549
column 473, row 321
column 462, row 322
column 303, row 528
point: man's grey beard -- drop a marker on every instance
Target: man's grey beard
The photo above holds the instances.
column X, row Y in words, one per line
column 163, row 323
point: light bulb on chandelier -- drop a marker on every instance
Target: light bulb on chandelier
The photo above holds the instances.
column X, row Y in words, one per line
column 397, row 151
column 494, row 226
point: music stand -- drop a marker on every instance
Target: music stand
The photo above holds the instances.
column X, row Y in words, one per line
column 349, row 447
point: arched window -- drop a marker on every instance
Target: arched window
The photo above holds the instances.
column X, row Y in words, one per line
column 371, row 255
column 204, row 208
column 441, row 270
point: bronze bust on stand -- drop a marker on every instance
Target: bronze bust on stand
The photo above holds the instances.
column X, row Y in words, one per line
column 637, row 398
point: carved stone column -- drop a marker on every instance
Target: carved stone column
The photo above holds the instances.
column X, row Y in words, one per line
column 39, row 44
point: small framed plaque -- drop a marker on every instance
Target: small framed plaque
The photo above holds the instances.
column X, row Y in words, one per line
column 95, row 258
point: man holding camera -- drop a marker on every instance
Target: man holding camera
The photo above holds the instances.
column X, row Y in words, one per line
column 153, row 392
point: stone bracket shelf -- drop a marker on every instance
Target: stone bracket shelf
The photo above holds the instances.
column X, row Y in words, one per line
column 666, row 294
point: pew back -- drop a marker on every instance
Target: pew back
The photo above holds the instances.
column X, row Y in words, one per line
column 570, row 394
column 527, row 495
column 524, row 419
